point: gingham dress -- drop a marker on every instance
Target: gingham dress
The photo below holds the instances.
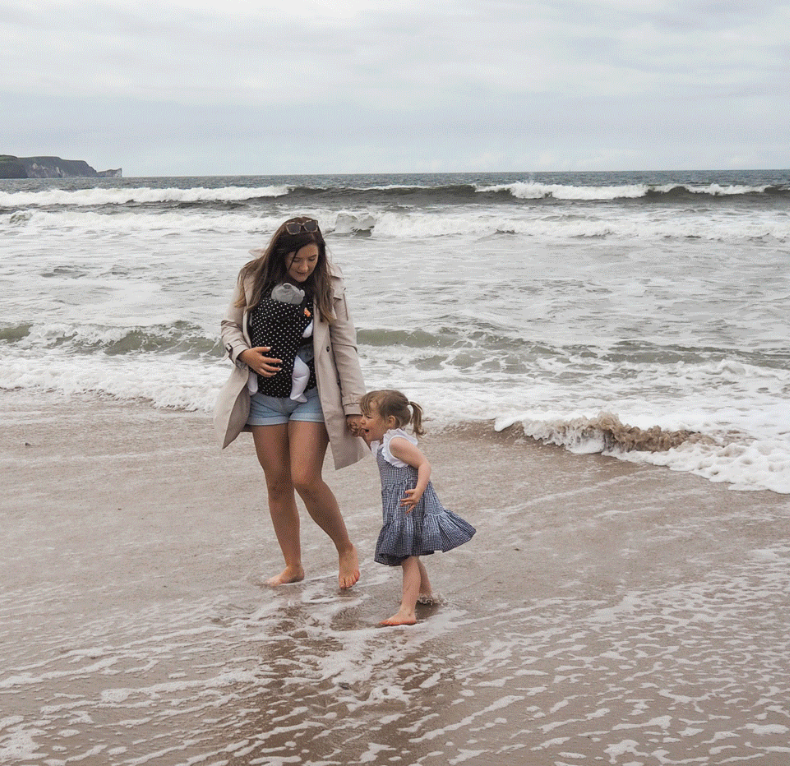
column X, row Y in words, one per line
column 429, row 527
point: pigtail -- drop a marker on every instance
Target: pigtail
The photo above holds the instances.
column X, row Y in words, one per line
column 416, row 419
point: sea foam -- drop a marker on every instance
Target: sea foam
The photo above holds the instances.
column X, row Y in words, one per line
column 103, row 196
column 661, row 299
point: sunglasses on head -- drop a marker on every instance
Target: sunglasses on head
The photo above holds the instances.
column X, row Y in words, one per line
column 294, row 227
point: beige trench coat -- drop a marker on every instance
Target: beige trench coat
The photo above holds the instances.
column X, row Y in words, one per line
column 339, row 378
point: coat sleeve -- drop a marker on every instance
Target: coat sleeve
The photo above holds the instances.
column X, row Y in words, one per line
column 343, row 336
column 233, row 402
column 232, row 328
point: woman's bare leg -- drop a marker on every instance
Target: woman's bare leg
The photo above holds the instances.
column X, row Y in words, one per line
column 308, row 443
column 271, row 446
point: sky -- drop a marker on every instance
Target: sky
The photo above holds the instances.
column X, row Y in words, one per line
column 236, row 87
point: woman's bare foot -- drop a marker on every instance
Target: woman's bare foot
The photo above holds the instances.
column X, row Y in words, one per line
column 428, row 599
column 289, row 574
column 349, row 569
column 401, row 618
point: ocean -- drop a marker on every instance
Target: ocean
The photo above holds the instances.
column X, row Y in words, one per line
column 572, row 338
column 644, row 316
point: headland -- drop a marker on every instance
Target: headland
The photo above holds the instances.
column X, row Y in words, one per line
column 50, row 167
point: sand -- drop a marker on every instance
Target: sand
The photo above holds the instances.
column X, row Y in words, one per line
column 606, row 612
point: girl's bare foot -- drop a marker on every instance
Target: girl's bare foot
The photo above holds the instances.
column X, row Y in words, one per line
column 289, row 574
column 349, row 569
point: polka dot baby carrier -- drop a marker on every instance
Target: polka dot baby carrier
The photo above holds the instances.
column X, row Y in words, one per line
column 281, row 326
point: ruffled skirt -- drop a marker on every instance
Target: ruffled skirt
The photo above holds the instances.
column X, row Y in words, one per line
column 430, row 527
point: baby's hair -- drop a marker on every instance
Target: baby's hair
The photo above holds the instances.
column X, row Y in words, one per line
column 389, row 403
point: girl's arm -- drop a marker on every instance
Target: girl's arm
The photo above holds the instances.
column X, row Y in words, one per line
column 404, row 450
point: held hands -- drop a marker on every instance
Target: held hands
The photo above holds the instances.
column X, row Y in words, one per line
column 354, row 423
column 256, row 360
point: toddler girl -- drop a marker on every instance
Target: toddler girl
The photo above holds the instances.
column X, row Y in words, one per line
column 415, row 521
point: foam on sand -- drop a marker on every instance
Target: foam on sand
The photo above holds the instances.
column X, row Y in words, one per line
column 605, row 611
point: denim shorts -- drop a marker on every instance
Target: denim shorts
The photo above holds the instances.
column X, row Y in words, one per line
column 272, row 411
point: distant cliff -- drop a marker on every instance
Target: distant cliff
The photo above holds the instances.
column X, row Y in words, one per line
column 50, row 167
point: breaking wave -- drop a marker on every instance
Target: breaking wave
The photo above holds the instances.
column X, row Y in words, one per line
column 606, row 433
column 365, row 190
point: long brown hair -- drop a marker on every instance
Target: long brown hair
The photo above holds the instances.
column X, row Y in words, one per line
column 271, row 267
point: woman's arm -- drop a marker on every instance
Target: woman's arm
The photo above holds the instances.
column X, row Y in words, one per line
column 343, row 336
column 232, row 327
column 236, row 345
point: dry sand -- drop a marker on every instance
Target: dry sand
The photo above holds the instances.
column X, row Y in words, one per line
column 605, row 612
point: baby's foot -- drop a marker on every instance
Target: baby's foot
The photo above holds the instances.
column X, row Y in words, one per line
column 288, row 575
column 349, row 569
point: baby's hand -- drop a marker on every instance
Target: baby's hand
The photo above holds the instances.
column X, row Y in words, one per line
column 411, row 499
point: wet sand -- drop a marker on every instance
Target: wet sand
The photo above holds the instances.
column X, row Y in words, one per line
column 605, row 612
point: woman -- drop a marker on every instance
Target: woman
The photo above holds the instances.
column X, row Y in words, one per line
column 263, row 337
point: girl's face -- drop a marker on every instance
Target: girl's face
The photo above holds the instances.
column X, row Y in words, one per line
column 302, row 263
column 374, row 426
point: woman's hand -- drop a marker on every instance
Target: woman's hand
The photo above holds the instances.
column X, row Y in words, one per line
column 256, row 360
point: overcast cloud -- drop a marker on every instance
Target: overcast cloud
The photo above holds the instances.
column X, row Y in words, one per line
column 311, row 86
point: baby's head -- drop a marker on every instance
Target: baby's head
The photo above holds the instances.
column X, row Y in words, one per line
column 387, row 403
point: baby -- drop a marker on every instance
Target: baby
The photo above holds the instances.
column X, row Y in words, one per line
column 288, row 293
